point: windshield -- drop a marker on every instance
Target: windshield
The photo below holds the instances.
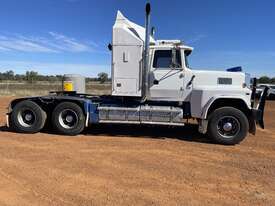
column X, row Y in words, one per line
column 272, row 87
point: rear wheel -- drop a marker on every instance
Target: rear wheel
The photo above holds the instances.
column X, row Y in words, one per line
column 68, row 118
column 27, row 117
column 228, row 126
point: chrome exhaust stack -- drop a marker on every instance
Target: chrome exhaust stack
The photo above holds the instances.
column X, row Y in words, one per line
column 145, row 72
column 253, row 94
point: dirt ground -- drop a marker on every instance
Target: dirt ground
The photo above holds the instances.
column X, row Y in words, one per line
column 126, row 165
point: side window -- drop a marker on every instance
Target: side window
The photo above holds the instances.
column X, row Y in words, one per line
column 163, row 59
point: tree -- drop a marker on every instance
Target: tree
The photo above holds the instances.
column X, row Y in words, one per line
column 102, row 77
column 264, row 80
column 272, row 80
column 31, row 76
column 8, row 75
column 19, row 77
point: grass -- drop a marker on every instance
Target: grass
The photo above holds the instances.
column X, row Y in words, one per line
column 14, row 88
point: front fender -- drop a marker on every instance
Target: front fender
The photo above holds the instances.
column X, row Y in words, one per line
column 216, row 98
column 202, row 100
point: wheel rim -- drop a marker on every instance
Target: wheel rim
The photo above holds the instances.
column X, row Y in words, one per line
column 228, row 126
column 26, row 117
column 68, row 119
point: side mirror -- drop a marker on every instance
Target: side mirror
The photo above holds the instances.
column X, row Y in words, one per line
column 175, row 64
column 153, row 31
column 174, row 57
column 110, row 47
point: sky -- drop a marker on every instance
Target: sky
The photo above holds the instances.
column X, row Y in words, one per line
column 71, row 36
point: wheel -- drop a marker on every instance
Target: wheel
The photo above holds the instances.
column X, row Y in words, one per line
column 68, row 119
column 227, row 126
column 27, row 117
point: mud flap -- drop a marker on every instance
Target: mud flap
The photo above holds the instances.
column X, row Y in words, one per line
column 7, row 120
column 252, row 125
column 258, row 113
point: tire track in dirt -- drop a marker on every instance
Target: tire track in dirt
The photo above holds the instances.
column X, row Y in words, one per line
column 36, row 193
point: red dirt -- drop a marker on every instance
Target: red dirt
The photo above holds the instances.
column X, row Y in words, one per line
column 126, row 165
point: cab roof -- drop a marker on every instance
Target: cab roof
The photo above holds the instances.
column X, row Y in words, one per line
column 170, row 44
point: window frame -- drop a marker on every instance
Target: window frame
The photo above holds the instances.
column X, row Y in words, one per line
column 167, row 68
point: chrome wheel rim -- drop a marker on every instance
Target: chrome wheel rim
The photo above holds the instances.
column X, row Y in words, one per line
column 26, row 117
column 228, row 126
column 68, row 119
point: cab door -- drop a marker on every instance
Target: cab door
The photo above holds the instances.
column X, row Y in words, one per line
column 167, row 75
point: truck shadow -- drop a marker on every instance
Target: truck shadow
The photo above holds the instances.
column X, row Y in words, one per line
column 186, row 133
column 4, row 129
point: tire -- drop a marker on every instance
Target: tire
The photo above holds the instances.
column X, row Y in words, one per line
column 227, row 126
column 27, row 117
column 68, row 119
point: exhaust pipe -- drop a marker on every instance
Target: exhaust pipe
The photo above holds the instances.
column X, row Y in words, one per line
column 253, row 94
column 146, row 52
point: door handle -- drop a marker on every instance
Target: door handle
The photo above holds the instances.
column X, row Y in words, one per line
column 181, row 75
column 191, row 81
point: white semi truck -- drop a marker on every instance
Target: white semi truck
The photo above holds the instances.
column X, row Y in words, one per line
column 152, row 83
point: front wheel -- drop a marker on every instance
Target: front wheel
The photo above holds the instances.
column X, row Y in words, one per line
column 227, row 126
